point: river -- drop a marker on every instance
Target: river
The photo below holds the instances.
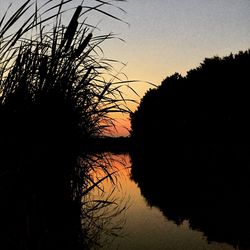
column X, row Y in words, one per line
column 140, row 225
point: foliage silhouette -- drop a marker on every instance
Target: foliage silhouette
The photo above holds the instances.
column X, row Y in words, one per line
column 56, row 92
column 209, row 104
column 192, row 154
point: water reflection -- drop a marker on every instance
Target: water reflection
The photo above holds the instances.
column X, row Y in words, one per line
column 37, row 210
column 151, row 206
column 211, row 193
column 103, row 210
column 45, row 199
column 157, row 221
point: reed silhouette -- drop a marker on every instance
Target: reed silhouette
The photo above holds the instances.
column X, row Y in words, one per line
column 53, row 99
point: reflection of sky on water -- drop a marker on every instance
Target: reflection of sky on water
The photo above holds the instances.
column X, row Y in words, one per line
column 146, row 227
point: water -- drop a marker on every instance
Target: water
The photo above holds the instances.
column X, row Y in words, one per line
column 144, row 226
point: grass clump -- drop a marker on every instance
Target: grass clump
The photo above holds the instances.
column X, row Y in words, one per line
column 55, row 94
column 57, row 73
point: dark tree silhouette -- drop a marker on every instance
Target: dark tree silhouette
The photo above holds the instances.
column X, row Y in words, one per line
column 210, row 104
column 192, row 154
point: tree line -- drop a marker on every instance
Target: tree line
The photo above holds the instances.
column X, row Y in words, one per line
column 210, row 104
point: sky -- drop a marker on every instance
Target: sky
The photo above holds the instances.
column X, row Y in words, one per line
column 168, row 36
column 162, row 37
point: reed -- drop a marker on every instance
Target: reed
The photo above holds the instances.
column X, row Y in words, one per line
column 58, row 69
column 56, row 92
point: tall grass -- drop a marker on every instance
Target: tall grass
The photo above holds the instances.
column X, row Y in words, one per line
column 59, row 69
column 56, row 92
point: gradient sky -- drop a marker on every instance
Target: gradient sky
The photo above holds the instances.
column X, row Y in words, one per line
column 168, row 36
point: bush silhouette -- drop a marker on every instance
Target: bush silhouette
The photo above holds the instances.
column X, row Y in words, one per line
column 54, row 96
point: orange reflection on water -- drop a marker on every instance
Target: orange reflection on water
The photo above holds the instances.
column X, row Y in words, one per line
column 113, row 169
column 140, row 226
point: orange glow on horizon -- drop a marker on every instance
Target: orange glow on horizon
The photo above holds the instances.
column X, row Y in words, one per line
column 122, row 127
column 121, row 122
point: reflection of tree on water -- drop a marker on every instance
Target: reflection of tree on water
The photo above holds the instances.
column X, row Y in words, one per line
column 198, row 127
column 211, row 193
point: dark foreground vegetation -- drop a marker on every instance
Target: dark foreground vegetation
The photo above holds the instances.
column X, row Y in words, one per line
column 110, row 144
column 53, row 98
column 192, row 156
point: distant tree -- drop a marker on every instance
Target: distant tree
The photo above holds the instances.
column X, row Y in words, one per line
column 210, row 104
column 193, row 147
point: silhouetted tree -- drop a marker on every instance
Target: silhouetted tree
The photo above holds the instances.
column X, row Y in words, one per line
column 210, row 104
column 192, row 157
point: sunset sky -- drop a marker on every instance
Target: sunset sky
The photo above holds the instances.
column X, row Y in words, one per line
column 167, row 36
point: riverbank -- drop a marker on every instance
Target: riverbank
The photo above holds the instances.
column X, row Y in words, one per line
column 109, row 144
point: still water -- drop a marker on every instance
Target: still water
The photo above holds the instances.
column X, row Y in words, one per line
column 141, row 226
